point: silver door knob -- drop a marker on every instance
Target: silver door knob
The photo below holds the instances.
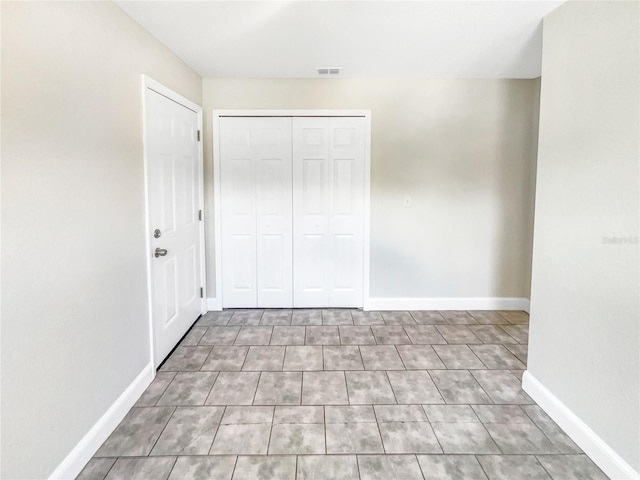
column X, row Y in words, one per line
column 160, row 252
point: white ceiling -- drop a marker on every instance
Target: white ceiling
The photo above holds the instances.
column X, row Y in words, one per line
column 368, row 39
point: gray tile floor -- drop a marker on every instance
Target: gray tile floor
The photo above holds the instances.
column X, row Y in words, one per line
column 343, row 394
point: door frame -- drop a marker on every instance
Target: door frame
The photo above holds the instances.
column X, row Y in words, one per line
column 149, row 83
column 216, row 304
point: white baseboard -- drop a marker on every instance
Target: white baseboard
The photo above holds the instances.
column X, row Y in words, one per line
column 448, row 303
column 595, row 447
column 73, row 464
column 214, row 304
column 427, row 303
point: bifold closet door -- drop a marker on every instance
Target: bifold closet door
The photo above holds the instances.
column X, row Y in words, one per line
column 328, row 204
column 255, row 177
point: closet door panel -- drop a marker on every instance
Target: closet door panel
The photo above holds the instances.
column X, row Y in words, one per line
column 274, row 215
column 311, row 247
column 238, row 207
column 346, row 163
column 256, row 212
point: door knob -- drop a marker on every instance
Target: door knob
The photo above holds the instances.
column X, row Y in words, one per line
column 160, row 252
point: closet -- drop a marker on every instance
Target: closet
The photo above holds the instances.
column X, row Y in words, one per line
column 291, row 211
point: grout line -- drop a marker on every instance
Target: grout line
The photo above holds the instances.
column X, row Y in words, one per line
column 543, row 430
column 481, row 466
column 483, row 389
column 163, row 391
column 235, row 464
column 435, row 435
column 404, row 329
column 235, row 336
column 213, row 439
column 439, row 391
column 420, row 466
column 375, row 338
column 163, row 429
column 358, row 464
column 284, row 351
column 324, row 423
column 438, row 355
column 305, row 334
column 270, row 334
column 491, row 436
column 255, row 392
column 175, row 459
column 401, row 359
column 110, row 468
column 375, row 415
column 270, row 431
column 284, row 358
column 246, row 355
column 301, row 380
column 479, row 359
column 346, row 387
column 211, row 389
column 386, row 374
column 364, row 368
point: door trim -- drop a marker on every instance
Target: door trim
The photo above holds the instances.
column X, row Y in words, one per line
column 216, row 303
column 149, row 83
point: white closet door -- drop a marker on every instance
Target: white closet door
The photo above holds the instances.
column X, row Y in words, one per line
column 311, row 247
column 255, row 155
column 328, row 179
column 238, row 207
column 346, row 219
column 274, row 216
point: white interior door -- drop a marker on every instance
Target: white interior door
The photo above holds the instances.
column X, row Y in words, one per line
column 174, row 183
column 328, row 204
column 255, row 179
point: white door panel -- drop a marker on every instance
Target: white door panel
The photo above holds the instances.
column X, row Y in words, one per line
column 311, row 247
column 328, row 178
column 238, row 216
column 273, row 197
column 256, row 212
column 346, row 153
column 238, row 219
column 173, row 176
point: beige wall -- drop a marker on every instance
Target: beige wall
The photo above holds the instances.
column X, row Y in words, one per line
column 74, row 315
column 465, row 152
column 585, row 315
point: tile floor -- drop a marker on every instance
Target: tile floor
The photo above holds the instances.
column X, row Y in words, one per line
column 343, row 394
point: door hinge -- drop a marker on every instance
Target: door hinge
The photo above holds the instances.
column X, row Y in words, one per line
column 200, row 215
column 198, row 135
column 201, row 292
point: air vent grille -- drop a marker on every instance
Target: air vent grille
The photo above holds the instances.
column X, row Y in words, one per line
column 329, row 70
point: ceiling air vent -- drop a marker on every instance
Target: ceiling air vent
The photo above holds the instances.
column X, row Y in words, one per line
column 329, row 70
